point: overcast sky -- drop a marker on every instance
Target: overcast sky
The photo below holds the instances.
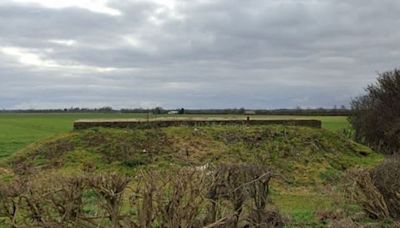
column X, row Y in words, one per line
column 193, row 53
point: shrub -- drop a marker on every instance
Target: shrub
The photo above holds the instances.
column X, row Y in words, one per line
column 109, row 188
column 173, row 199
column 376, row 115
column 386, row 178
column 225, row 196
column 52, row 202
column 363, row 191
column 378, row 189
column 238, row 184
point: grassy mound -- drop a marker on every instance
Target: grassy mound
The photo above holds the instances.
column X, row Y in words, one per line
column 302, row 155
column 309, row 162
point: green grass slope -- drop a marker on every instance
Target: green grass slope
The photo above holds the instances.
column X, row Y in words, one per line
column 309, row 162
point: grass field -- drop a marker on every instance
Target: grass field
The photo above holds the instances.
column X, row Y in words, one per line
column 20, row 130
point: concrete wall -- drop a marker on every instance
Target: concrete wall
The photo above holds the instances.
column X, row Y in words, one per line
column 85, row 124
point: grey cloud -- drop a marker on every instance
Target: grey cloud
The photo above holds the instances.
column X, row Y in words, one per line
column 256, row 54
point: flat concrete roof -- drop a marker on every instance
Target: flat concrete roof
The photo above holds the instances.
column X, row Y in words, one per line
column 166, row 122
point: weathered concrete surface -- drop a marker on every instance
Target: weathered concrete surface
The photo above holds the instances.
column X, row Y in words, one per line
column 85, row 124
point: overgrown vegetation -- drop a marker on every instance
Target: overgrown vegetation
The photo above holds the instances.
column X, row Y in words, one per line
column 386, row 178
column 378, row 190
column 226, row 196
column 190, row 177
column 376, row 115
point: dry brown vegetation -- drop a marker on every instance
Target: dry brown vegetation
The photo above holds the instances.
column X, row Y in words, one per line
column 386, row 178
column 378, row 190
column 223, row 196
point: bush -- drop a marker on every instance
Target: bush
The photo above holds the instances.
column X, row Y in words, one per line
column 225, row 196
column 386, row 178
column 378, row 190
column 236, row 183
column 376, row 115
column 363, row 191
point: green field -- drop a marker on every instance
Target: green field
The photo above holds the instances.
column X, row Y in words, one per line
column 20, row 130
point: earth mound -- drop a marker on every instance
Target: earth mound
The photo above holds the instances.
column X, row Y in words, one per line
column 302, row 155
column 308, row 164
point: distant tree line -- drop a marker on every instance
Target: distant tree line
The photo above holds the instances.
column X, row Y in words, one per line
column 64, row 110
column 341, row 111
column 297, row 111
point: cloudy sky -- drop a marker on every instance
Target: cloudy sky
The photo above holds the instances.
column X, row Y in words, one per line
column 193, row 53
